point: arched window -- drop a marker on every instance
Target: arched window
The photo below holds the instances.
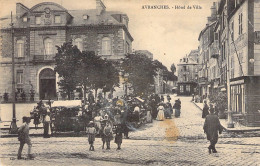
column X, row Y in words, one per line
column 20, row 48
column 48, row 46
column 106, row 46
column 79, row 43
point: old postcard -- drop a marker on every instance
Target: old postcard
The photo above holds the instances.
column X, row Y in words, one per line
column 130, row 82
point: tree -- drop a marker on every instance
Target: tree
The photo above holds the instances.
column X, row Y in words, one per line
column 173, row 68
column 66, row 61
column 89, row 71
column 141, row 71
column 110, row 77
column 159, row 65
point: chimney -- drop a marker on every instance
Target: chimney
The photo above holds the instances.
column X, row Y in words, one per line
column 209, row 20
column 20, row 10
column 100, row 7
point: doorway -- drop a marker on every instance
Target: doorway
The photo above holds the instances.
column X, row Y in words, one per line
column 47, row 84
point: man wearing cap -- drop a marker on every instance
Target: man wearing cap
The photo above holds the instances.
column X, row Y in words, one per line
column 212, row 127
column 23, row 137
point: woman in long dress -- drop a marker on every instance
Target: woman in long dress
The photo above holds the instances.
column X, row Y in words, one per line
column 97, row 121
column 177, row 107
column 160, row 115
column 149, row 118
column 47, row 127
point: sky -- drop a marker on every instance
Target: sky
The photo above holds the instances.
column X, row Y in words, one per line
column 169, row 34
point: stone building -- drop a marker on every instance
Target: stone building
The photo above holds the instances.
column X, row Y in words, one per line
column 206, row 38
column 39, row 29
column 187, row 70
column 233, row 61
column 244, row 60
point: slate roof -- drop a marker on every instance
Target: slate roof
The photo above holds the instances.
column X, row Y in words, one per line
column 93, row 19
column 106, row 17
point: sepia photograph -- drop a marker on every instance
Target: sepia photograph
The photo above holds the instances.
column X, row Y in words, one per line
column 130, row 82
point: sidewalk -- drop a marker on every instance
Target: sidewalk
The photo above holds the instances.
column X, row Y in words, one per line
column 237, row 127
column 4, row 132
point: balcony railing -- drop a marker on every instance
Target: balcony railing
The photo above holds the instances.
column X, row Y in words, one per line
column 203, row 79
column 39, row 58
column 185, row 73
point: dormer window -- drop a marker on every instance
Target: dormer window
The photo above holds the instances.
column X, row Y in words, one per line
column 25, row 19
column 57, row 19
column 38, row 20
column 85, row 17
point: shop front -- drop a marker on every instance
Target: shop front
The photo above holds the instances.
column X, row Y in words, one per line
column 245, row 97
column 187, row 88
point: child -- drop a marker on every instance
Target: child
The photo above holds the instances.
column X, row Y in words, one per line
column 102, row 135
column 91, row 131
column 24, row 138
column 119, row 136
column 108, row 134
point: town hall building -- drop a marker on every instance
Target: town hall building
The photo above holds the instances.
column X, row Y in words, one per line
column 38, row 30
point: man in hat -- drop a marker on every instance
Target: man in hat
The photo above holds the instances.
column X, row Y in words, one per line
column 212, row 127
column 23, row 137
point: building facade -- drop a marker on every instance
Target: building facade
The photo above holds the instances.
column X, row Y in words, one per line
column 244, row 58
column 187, row 70
column 206, row 40
column 39, row 29
column 233, row 62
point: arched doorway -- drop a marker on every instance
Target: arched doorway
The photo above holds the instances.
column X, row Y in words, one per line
column 47, row 84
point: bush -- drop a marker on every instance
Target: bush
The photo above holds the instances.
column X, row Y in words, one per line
column 221, row 102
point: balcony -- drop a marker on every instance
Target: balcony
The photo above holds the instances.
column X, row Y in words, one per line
column 203, row 79
column 185, row 73
column 214, row 50
column 43, row 58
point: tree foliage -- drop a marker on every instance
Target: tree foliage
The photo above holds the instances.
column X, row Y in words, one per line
column 84, row 69
column 141, row 71
column 66, row 59
column 173, row 68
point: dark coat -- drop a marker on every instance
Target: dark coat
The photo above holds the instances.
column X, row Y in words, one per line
column 205, row 111
column 212, row 127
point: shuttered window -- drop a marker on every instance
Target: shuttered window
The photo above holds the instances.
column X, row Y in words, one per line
column 106, row 46
column 20, row 48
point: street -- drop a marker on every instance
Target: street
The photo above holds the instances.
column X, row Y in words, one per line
column 174, row 141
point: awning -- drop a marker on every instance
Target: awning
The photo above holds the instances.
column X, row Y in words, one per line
column 223, row 89
column 67, row 103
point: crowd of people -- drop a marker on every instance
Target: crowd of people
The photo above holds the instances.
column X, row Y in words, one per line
column 110, row 119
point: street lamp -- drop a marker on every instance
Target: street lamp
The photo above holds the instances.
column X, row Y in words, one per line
column 230, row 123
column 13, row 127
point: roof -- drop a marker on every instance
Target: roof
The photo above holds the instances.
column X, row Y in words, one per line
column 190, row 62
column 207, row 26
column 104, row 18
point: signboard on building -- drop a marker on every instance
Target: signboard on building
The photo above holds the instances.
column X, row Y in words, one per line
column 257, row 37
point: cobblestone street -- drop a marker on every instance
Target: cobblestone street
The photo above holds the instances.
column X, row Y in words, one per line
column 171, row 142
